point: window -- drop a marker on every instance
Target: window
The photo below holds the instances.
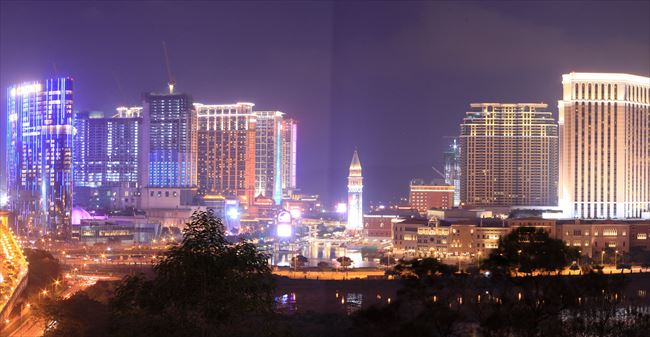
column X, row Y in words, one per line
column 641, row 236
column 610, row 232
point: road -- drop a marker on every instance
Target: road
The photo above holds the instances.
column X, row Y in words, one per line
column 31, row 326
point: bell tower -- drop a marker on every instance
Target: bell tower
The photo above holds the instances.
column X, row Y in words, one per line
column 355, row 192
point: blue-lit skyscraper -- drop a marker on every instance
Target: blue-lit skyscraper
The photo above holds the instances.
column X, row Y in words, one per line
column 169, row 141
column 39, row 154
column 107, row 148
column 107, row 157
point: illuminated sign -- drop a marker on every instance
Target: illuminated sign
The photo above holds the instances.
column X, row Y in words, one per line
column 26, row 89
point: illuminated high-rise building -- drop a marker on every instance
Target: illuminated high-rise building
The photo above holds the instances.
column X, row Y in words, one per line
column 509, row 155
column 605, row 145
column 452, row 169
column 288, row 139
column 107, row 158
column 39, row 174
column 107, row 148
column 227, row 135
column 169, row 141
column 355, row 195
column 268, row 155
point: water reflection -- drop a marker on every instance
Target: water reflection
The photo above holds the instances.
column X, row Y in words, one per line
column 354, row 302
column 286, row 303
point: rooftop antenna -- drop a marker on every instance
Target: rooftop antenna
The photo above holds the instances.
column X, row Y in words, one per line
column 56, row 71
column 171, row 82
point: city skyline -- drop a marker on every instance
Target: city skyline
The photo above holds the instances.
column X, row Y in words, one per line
column 324, row 168
column 324, row 84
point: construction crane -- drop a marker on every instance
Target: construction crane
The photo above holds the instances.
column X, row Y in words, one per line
column 440, row 173
column 171, row 82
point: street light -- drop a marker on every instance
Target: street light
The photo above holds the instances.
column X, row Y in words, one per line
column 602, row 257
column 615, row 256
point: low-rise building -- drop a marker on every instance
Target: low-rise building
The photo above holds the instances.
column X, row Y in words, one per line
column 424, row 197
column 595, row 236
column 546, row 224
column 640, row 234
column 476, row 237
column 378, row 225
column 124, row 231
column 405, row 236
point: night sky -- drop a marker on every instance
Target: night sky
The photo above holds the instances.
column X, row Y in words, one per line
column 391, row 79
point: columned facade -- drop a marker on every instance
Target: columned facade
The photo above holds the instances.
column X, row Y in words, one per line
column 605, row 153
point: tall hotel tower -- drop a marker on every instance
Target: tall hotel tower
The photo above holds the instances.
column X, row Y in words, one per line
column 288, row 138
column 169, row 141
column 227, row 147
column 509, row 155
column 604, row 145
column 355, row 193
column 39, row 154
column 268, row 155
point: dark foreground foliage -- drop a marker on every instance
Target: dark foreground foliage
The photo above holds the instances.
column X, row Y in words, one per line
column 208, row 286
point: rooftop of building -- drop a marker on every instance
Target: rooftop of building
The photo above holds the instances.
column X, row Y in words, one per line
column 607, row 77
column 415, row 221
column 479, row 222
column 509, row 105
column 602, row 221
column 411, row 213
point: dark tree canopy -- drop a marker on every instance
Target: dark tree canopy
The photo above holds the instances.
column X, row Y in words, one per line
column 344, row 261
column 419, row 268
column 206, row 286
column 527, row 250
column 299, row 261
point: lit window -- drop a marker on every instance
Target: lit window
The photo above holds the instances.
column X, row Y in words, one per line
column 641, row 236
column 610, row 232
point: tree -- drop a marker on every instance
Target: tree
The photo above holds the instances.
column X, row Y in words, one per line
column 323, row 265
column 422, row 307
column 528, row 250
column 419, row 268
column 344, row 261
column 44, row 269
column 206, row 286
column 78, row 316
column 299, row 261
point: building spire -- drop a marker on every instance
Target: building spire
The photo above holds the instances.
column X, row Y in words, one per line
column 355, row 165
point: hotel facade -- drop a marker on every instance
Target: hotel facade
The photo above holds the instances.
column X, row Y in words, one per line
column 509, row 155
column 227, row 137
column 604, row 122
